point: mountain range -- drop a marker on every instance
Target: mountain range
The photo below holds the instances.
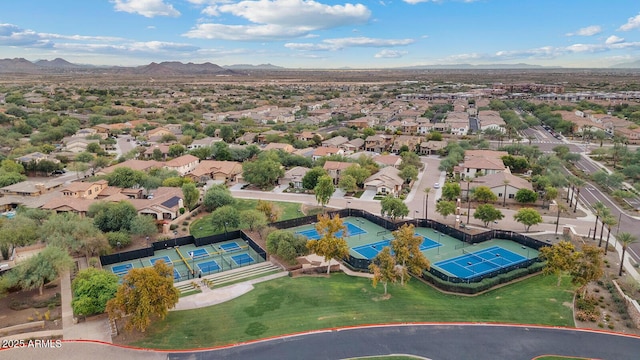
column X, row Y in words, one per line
column 175, row 68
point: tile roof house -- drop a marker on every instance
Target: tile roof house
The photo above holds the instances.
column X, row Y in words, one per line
column 481, row 162
column 388, row 160
column 496, row 182
column 325, row 151
column 432, row 147
column 385, row 181
column 335, row 142
column 490, row 119
column 221, row 171
column 335, row 169
column 164, row 205
column 293, row 177
column 412, row 142
column 182, row 164
column 134, row 164
column 377, row 143
column 288, row 148
column 164, row 151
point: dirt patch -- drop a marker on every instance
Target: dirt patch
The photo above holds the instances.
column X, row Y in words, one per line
column 22, row 307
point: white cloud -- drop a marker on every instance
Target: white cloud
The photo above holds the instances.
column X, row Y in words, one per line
column 390, row 54
column 146, row 8
column 587, row 31
column 277, row 19
column 613, row 40
column 12, row 35
column 341, row 43
column 632, row 23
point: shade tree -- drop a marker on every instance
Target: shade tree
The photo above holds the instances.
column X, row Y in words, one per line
column 329, row 245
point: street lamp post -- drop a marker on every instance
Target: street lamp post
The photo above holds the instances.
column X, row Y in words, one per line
column 416, row 217
column 439, row 243
column 118, row 246
column 468, row 201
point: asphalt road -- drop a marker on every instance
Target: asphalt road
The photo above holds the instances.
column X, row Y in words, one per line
column 441, row 342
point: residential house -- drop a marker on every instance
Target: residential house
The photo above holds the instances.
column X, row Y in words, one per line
column 85, row 190
column 293, row 177
column 377, row 143
column 77, row 144
column 490, row 119
column 201, row 143
column 432, row 147
column 386, row 181
column 308, row 135
column 263, row 137
column 352, row 146
column 326, row 151
column 32, row 188
column 219, row 171
column 134, row 164
column 288, row 148
column 400, row 141
column 161, row 149
column 335, row 142
column 183, row 164
column 163, row 206
column 388, row 160
column 497, row 183
column 35, row 157
column 481, row 162
column 335, row 169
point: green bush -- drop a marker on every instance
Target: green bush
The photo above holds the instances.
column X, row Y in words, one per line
column 118, row 237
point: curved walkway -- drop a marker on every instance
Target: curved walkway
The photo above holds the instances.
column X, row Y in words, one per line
column 431, row 340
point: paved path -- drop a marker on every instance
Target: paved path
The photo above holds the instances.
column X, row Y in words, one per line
column 434, row 341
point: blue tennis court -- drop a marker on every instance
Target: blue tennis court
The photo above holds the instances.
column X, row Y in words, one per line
column 165, row 258
column 369, row 251
column 352, row 230
column 176, row 275
column 229, row 247
column 427, row 243
column 242, row 259
column 480, row 262
column 198, row 253
column 121, row 269
column 209, row 266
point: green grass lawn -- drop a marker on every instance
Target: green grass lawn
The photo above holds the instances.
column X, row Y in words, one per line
column 287, row 305
column 202, row 227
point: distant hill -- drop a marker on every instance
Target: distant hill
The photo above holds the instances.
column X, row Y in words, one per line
column 481, row 66
column 627, row 65
column 167, row 68
column 253, row 67
column 57, row 63
column 17, row 65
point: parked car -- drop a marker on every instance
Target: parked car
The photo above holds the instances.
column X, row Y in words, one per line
column 436, row 186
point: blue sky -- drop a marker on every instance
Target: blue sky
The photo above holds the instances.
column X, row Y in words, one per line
column 324, row 33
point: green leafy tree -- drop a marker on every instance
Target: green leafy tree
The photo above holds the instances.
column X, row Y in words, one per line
column 145, row 293
column 114, row 216
column 410, row 158
column 528, row 217
column 191, row 195
column 217, row 196
column 406, row 249
column 384, row 269
column 310, row 179
column 560, row 259
column 358, row 172
column 393, row 207
column 324, row 190
column 125, row 177
column 625, row 240
column 225, row 218
column 445, row 208
column 176, row 150
column 451, row 191
column 85, row 157
column 253, row 219
column 42, row 268
column 118, row 239
column 329, row 245
column 487, row 213
column 483, row 194
column 143, row 225
column 92, row 288
column 408, row 173
column 526, row 196
column 263, row 172
column 348, row 184
column 287, row 245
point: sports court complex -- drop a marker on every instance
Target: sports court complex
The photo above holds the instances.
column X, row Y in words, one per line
column 448, row 255
column 191, row 261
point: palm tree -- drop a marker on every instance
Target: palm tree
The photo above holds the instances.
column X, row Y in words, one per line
column 603, row 217
column 504, row 196
column 610, row 221
column 561, row 209
column 427, row 190
column 625, row 239
column 578, row 183
column 599, row 209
